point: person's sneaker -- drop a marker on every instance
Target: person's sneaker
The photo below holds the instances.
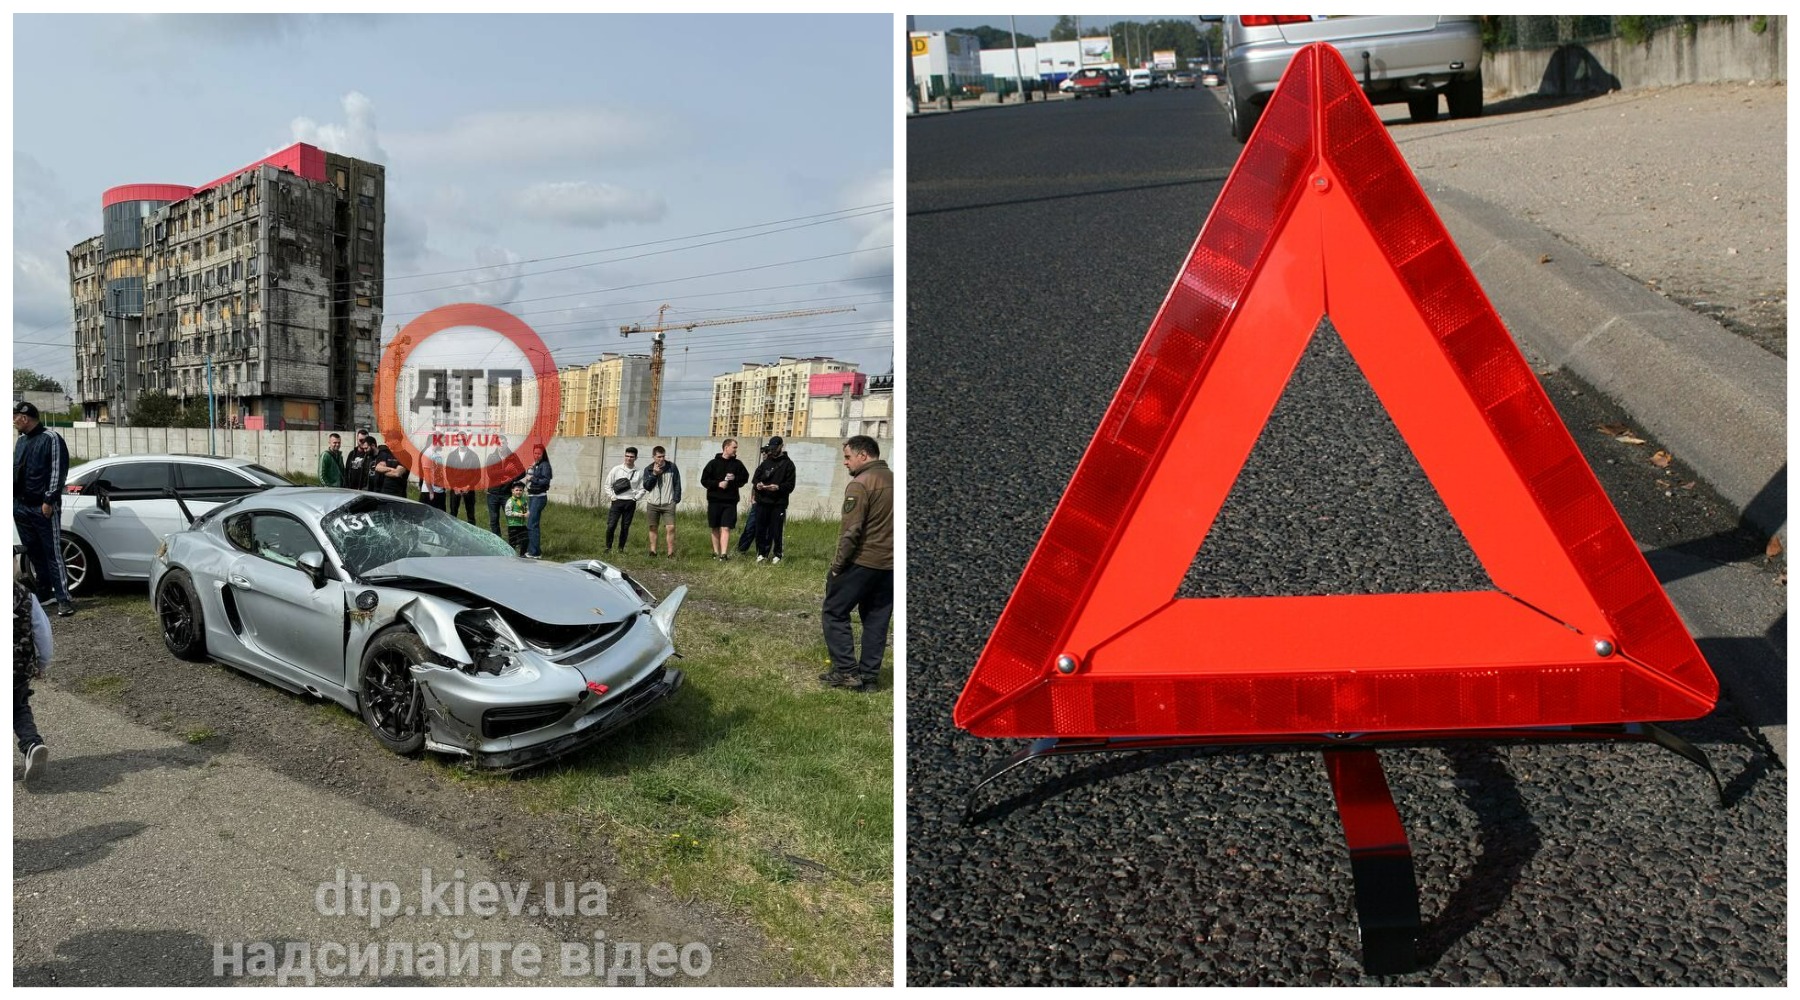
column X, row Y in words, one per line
column 838, row 679
column 36, row 759
column 775, row 561
column 530, row 556
column 65, row 608
column 761, row 558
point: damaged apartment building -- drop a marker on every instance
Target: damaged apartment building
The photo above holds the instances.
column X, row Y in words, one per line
column 272, row 273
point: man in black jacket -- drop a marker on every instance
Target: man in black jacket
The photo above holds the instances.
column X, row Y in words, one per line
column 771, row 485
column 40, row 468
column 390, row 474
column 358, row 463
column 723, row 477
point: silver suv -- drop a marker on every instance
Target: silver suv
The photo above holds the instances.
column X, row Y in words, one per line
column 1398, row 57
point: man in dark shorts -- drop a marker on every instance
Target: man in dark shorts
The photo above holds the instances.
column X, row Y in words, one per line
column 724, row 476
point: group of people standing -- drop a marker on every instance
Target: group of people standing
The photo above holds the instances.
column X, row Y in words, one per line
column 861, row 578
column 374, row 467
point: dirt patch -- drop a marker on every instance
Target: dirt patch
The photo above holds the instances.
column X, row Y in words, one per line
column 1682, row 188
column 110, row 653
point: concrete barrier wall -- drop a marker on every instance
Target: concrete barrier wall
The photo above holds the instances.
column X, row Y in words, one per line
column 580, row 463
column 1717, row 51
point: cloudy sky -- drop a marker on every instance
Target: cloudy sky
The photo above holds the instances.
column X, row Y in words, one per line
column 724, row 165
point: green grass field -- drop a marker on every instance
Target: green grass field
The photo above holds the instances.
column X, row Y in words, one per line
column 754, row 788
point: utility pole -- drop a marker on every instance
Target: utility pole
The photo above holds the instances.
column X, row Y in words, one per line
column 212, row 420
column 1018, row 70
column 912, row 88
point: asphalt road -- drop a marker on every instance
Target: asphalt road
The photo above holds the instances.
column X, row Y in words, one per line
column 1041, row 240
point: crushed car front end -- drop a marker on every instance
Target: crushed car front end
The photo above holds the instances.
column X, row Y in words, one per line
column 520, row 678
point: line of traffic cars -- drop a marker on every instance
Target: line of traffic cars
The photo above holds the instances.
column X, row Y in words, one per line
column 429, row 628
column 1105, row 81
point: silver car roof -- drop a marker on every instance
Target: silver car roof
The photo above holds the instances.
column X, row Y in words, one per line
column 314, row 501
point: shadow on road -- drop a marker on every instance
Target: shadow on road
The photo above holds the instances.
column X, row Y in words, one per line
column 75, row 849
column 1749, row 539
column 125, row 958
column 98, row 772
column 1508, row 841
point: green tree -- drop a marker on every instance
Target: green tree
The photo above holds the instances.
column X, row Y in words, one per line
column 1064, row 29
column 156, row 408
column 26, row 380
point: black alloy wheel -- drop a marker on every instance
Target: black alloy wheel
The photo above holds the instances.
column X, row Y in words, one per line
column 392, row 705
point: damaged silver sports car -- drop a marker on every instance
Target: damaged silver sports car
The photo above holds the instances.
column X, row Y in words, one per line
column 430, row 628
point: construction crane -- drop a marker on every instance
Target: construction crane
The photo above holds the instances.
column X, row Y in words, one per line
column 661, row 326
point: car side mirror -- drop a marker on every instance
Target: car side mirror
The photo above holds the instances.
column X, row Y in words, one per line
column 102, row 496
column 313, row 565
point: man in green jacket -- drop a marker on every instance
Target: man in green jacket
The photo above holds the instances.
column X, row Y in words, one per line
column 862, row 570
column 331, row 463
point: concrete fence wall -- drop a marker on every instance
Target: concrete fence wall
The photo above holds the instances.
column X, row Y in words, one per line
column 580, row 463
column 1716, row 51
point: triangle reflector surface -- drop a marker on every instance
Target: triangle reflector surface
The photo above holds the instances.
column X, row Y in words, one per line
column 1322, row 218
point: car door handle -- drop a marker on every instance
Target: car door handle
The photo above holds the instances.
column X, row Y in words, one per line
column 240, row 583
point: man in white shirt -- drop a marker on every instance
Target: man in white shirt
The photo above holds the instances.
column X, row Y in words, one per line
column 624, row 485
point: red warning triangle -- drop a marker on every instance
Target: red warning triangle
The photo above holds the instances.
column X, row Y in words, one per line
column 1322, row 217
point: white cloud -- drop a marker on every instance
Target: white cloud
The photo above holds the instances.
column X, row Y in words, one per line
column 876, row 267
column 499, row 277
column 243, row 28
column 357, row 136
column 46, row 223
column 585, row 203
column 569, row 135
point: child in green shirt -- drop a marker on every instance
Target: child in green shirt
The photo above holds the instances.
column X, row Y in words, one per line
column 515, row 519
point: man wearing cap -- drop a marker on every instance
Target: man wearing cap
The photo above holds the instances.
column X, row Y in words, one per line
column 40, row 467
column 862, row 571
column 770, row 487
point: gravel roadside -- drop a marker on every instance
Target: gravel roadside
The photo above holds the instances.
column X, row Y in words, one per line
column 1706, row 164
column 171, row 728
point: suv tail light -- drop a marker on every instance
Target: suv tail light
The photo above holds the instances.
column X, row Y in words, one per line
column 1270, row 20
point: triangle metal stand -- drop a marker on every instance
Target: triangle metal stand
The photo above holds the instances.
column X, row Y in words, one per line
column 1381, row 865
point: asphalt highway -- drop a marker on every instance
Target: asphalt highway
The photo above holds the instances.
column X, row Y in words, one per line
column 1041, row 240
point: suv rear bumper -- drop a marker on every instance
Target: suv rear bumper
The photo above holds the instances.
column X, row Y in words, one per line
column 1399, row 65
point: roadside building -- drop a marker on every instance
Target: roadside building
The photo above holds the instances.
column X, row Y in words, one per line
column 606, row 398
column 763, row 400
column 944, row 62
column 272, row 272
column 850, row 403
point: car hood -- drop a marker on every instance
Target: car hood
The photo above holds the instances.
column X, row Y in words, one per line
column 552, row 593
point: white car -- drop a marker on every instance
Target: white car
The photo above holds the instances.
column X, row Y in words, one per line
column 1142, row 79
column 121, row 543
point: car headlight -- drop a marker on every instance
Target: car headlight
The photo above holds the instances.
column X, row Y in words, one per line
column 489, row 640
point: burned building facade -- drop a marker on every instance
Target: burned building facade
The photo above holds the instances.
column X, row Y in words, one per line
column 271, row 276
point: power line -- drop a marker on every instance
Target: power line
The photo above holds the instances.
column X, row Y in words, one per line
column 888, row 205
column 668, row 281
column 597, row 263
